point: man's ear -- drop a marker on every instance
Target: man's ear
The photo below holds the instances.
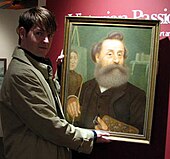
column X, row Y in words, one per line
column 21, row 32
column 97, row 57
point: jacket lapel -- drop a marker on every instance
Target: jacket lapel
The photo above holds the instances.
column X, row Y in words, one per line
column 42, row 73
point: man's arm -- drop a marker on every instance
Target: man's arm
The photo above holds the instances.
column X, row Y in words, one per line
column 38, row 113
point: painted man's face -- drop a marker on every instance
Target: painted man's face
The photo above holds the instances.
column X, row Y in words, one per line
column 112, row 52
column 110, row 70
column 73, row 60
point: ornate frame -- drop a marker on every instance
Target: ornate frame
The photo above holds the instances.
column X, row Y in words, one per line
column 141, row 39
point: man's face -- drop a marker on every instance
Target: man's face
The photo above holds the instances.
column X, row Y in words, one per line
column 37, row 41
column 73, row 60
column 112, row 52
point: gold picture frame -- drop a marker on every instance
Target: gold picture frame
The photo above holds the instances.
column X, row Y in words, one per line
column 141, row 39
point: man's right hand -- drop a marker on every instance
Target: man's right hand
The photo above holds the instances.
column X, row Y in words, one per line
column 101, row 125
column 73, row 107
column 102, row 136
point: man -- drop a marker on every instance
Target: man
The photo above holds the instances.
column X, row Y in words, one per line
column 109, row 101
column 34, row 126
column 75, row 79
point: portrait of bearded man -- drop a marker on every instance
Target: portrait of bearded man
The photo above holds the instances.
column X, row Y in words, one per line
column 108, row 101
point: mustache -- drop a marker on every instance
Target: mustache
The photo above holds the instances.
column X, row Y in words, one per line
column 112, row 75
column 107, row 69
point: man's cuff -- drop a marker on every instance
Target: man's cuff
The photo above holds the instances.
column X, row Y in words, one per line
column 95, row 136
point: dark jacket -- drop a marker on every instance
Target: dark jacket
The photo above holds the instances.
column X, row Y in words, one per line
column 125, row 103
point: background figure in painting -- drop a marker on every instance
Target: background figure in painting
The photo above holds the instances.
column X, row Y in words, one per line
column 109, row 101
column 75, row 79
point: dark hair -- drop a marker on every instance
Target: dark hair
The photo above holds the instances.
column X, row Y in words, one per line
column 113, row 36
column 38, row 16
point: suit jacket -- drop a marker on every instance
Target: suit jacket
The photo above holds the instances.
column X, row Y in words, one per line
column 33, row 128
column 75, row 81
column 125, row 103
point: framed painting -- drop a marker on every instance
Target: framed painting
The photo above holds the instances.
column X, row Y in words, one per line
column 3, row 65
column 109, row 75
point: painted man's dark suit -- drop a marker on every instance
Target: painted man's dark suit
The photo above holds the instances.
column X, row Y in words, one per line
column 125, row 103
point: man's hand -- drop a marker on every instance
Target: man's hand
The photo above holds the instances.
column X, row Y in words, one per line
column 102, row 136
column 101, row 125
column 73, row 107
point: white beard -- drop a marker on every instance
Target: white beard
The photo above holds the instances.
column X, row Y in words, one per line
column 111, row 76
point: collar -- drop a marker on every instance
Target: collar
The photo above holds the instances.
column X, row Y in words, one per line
column 46, row 61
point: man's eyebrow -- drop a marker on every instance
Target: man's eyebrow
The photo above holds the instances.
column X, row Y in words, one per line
column 40, row 29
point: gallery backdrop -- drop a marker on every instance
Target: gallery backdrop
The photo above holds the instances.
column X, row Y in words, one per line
column 145, row 9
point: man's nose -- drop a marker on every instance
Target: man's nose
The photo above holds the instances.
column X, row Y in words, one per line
column 46, row 39
column 115, row 59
